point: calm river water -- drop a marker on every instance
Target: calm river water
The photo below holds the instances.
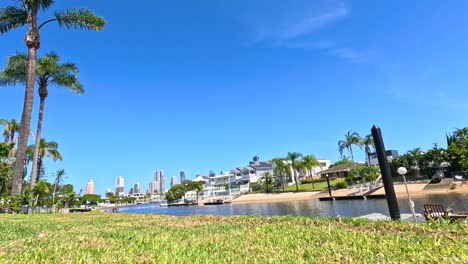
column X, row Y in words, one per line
column 312, row 207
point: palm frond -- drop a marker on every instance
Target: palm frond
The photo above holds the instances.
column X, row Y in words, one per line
column 79, row 18
column 50, row 144
column 69, row 81
column 54, row 154
column 15, row 70
column 70, row 67
column 44, row 4
column 12, row 17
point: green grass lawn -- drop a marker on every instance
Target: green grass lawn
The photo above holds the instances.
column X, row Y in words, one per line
column 122, row 238
column 318, row 186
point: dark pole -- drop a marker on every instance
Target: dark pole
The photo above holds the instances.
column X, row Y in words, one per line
column 386, row 175
column 282, row 180
column 328, row 183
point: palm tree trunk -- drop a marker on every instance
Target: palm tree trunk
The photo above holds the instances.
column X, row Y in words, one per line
column 282, row 180
column 27, row 109
column 295, row 179
column 351, row 151
column 32, row 181
column 53, row 195
column 39, row 168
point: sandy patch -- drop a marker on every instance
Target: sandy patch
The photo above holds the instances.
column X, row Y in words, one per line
column 274, row 197
column 400, row 191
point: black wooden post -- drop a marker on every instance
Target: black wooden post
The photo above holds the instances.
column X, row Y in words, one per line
column 328, row 184
column 386, row 175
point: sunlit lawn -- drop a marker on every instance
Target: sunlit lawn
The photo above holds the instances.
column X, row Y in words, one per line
column 318, row 186
column 123, row 238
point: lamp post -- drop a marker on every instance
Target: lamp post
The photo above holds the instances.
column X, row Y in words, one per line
column 328, row 184
column 402, row 171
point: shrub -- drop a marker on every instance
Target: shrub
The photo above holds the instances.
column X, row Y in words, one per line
column 255, row 186
column 10, row 204
column 306, row 181
column 316, row 180
column 363, row 173
column 349, row 179
column 341, row 184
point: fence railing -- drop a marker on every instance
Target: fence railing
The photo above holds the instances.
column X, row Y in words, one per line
column 362, row 188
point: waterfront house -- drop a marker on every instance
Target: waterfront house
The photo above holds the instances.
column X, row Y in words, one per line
column 340, row 171
column 390, row 154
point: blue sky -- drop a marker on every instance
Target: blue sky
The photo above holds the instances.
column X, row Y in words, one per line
column 204, row 85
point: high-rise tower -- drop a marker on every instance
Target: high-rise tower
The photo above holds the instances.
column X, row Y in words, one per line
column 119, row 186
column 90, row 187
column 182, row 176
column 159, row 179
column 173, row 181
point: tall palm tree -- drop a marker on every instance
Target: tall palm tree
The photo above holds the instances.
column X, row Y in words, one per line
column 368, row 143
column 351, row 138
column 25, row 12
column 280, row 169
column 48, row 72
column 9, row 132
column 46, row 149
column 308, row 162
column 458, row 134
column 268, row 179
column 293, row 157
column 414, row 157
column 58, row 178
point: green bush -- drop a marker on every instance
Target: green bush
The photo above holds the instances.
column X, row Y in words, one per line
column 316, row 181
column 349, row 179
column 10, row 204
column 341, row 184
column 255, row 186
column 363, row 173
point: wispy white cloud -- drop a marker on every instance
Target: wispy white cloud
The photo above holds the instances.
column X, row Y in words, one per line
column 296, row 21
column 312, row 23
column 294, row 27
column 310, row 45
column 429, row 98
column 331, row 48
column 350, row 54
column 455, row 102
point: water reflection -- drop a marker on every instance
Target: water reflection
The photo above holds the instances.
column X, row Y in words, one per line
column 313, row 207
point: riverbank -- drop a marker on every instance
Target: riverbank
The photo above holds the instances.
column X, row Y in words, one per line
column 274, row 197
column 415, row 189
column 127, row 238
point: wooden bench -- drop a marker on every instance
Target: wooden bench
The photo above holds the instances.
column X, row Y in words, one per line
column 436, row 211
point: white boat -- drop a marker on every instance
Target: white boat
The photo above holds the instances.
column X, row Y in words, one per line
column 163, row 204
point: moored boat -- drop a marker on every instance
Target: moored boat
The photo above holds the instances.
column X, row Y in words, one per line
column 213, row 202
